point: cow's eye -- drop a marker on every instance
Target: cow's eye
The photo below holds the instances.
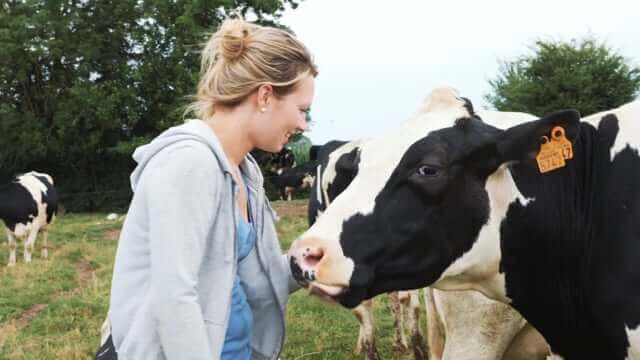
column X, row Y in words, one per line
column 428, row 170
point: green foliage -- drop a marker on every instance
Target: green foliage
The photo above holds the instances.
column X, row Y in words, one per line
column 586, row 75
column 84, row 82
column 300, row 145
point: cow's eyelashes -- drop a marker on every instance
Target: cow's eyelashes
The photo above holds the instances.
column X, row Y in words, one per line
column 428, row 170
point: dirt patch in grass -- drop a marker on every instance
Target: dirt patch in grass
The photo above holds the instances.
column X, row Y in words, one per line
column 112, row 235
column 84, row 272
column 290, row 208
column 85, row 275
column 12, row 328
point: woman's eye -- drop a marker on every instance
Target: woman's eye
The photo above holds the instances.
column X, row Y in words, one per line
column 426, row 170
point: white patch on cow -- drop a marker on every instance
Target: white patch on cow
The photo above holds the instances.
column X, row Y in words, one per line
column 33, row 185
column 478, row 268
column 319, row 196
column 475, row 327
column 307, row 181
column 21, row 230
column 633, row 336
column 629, row 132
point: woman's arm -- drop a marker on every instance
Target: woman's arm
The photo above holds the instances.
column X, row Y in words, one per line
column 181, row 197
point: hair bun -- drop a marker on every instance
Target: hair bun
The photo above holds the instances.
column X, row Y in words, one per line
column 235, row 34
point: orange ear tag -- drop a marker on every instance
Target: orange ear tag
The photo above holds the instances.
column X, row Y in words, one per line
column 550, row 156
column 558, row 138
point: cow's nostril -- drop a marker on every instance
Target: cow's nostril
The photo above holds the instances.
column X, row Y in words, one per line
column 312, row 256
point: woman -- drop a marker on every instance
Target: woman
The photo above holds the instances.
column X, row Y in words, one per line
column 199, row 273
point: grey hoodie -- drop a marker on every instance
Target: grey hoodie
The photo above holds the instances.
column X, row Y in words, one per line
column 176, row 257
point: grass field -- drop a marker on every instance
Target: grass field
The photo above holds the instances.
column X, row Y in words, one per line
column 53, row 309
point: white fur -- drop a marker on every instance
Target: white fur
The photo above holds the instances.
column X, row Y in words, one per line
column 633, row 335
column 629, row 122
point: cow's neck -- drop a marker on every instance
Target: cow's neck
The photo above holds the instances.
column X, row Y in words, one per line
column 549, row 245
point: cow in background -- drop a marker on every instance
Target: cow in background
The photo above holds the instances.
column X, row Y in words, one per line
column 28, row 205
column 297, row 178
column 274, row 163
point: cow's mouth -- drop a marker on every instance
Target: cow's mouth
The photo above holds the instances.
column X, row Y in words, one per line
column 326, row 292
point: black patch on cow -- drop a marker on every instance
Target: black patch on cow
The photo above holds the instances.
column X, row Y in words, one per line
column 346, row 171
column 570, row 257
column 468, row 106
column 17, row 206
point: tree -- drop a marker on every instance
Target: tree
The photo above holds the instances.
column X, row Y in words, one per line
column 586, row 75
column 83, row 82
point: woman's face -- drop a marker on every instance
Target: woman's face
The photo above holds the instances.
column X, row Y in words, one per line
column 283, row 117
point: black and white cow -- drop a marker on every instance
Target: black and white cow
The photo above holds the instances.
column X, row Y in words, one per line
column 337, row 165
column 465, row 207
column 28, row 205
column 474, row 326
column 275, row 163
column 332, row 177
column 297, row 178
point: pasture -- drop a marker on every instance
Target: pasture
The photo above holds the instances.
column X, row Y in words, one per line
column 53, row 309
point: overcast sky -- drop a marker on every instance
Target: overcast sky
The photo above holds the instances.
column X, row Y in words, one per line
column 379, row 59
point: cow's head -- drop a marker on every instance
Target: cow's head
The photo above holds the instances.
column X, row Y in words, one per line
column 416, row 205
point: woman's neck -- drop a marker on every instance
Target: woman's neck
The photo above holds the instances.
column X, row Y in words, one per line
column 230, row 127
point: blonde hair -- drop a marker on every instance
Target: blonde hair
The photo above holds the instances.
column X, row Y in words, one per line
column 240, row 57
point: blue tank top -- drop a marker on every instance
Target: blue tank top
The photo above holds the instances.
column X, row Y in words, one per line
column 237, row 340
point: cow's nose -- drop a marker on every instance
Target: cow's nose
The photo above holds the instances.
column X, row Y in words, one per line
column 311, row 256
column 304, row 263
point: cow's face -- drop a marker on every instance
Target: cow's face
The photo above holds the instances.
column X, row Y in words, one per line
column 428, row 211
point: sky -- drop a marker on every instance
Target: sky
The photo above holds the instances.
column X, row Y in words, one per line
column 379, row 59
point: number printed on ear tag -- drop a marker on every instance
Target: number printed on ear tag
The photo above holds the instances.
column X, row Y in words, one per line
column 558, row 137
column 550, row 156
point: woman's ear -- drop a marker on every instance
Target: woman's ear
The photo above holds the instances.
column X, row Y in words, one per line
column 263, row 96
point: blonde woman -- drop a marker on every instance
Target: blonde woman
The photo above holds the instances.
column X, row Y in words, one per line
column 199, row 273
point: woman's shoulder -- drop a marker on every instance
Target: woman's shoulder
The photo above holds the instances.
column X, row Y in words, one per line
column 186, row 159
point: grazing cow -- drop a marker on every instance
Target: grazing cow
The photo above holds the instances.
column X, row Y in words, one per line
column 541, row 216
column 296, row 178
column 474, row 325
column 28, row 205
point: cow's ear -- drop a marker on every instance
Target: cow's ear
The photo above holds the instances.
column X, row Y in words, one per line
column 348, row 162
column 522, row 142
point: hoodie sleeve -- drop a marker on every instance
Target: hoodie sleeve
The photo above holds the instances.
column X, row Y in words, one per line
column 182, row 195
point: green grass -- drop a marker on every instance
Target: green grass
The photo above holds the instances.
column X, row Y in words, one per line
column 66, row 309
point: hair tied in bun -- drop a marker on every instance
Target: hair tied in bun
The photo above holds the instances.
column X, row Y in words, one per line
column 235, row 39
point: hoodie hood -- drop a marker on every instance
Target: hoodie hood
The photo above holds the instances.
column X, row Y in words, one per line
column 192, row 130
